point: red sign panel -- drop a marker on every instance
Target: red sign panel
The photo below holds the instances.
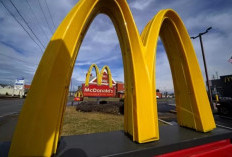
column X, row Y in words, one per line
column 94, row 90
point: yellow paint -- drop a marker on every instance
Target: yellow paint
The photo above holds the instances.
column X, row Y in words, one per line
column 109, row 75
column 98, row 75
column 78, row 94
column 228, row 79
column 217, row 98
column 40, row 121
column 89, row 72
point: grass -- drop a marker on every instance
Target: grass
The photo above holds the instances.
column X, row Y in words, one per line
column 76, row 123
column 88, row 122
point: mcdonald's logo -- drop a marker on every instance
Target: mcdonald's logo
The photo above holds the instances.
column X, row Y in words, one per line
column 99, row 76
column 228, row 79
column 104, row 87
column 38, row 130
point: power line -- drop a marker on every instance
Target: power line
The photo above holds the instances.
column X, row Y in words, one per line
column 21, row 25
column 45, row 16
column 37, row 19
column 18, row 59
column 27, row 24
column 50, row 14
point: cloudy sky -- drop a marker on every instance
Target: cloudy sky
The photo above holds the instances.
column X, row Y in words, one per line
column 22, row 48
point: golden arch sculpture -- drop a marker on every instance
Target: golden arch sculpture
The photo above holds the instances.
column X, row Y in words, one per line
column 89, row 72
column 109, row 75
column 98, row 75
column 39, row 125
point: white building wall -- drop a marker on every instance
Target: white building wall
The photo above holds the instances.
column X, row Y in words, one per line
column 6, row 90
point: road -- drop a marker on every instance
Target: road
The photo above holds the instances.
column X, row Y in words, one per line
column 9, row 110
column 13, row 105
column 223, row 121
column 9, row 106
column 164, row 108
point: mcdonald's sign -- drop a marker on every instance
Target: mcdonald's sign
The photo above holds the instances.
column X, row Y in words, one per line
column 101, row 86
column 227, row 79
column 39, row 126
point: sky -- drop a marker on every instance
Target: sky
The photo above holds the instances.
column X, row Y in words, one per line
column 20, row 55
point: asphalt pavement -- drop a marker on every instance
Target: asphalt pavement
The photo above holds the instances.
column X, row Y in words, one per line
column 10, row 106
column 223, row 121
column 164, row 108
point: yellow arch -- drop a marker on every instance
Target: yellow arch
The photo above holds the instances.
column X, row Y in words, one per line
column 78, row 94
column 187, row 79
column 50, row 84
column 89, row 72
column 98, row 75
column 109, row 75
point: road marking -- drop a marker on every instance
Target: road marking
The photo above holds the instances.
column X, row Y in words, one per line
column 173, row 111
column 9, row 114
column 172, row 105
column 165, row 122
column 225, row 117
column 226, row 127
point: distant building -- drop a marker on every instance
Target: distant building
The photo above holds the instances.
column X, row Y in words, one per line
column 222, row 86
column 19, row 89
column 120, row 90
column 6, row 90
column 158, row 94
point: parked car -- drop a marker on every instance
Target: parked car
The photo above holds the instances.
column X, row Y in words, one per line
column 77, row 99
column 224, row 105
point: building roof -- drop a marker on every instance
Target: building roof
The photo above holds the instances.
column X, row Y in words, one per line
column 27, row 86
column 105, row 79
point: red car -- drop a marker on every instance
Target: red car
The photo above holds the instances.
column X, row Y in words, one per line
column 77, row 99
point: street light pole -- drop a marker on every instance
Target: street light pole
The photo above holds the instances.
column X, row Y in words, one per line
column 205, row 66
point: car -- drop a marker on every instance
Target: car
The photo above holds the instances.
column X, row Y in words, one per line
column 224, row 106
column 77, row 99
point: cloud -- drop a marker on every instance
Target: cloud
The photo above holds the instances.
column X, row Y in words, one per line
column 98, row 61
column 19, row 55
column 216, row 42
column 141, row 4
column 106, row 37
column 14, row 65
column 163, row 72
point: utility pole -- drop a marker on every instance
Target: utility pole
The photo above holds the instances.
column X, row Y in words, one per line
column 205, row 66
